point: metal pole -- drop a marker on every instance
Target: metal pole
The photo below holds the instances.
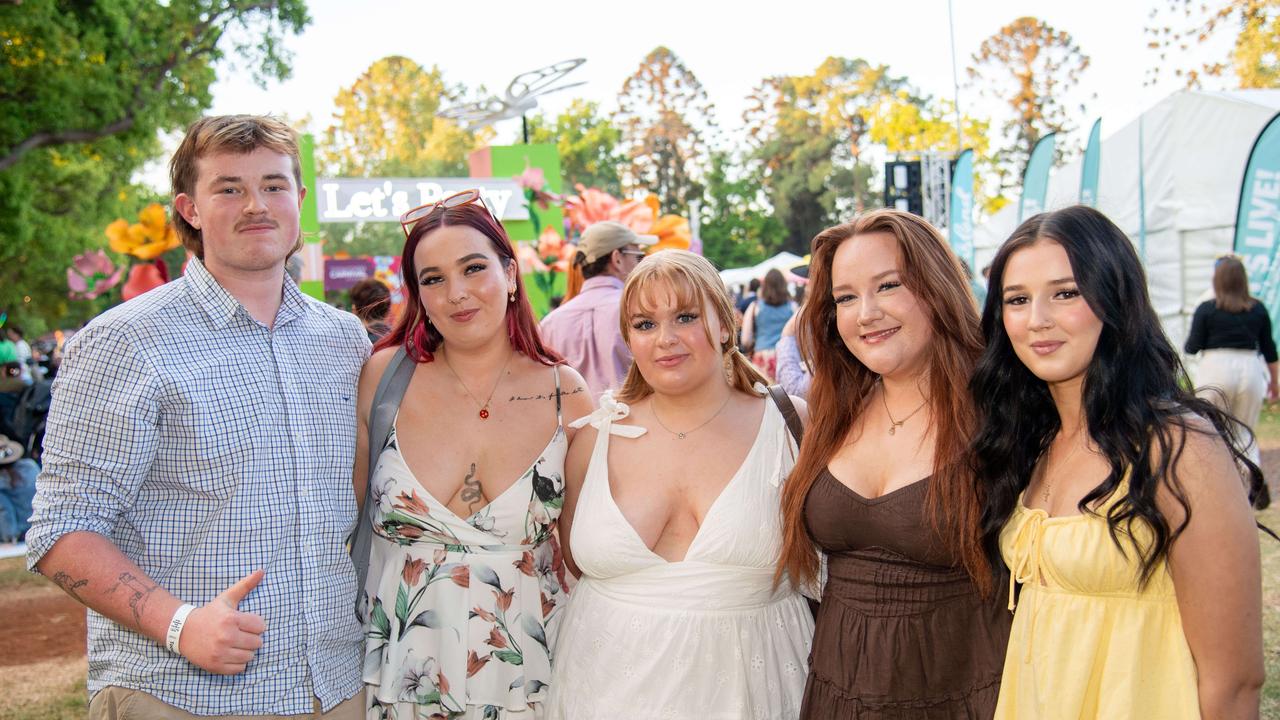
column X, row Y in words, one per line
column 955, row 78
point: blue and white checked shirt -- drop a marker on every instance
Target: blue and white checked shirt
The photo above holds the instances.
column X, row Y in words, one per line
column 205, row 445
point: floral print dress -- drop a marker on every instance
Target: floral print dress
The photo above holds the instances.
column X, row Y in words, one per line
column 461, row 613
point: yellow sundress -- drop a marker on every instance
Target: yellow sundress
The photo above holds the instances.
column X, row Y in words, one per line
column 1086, row 641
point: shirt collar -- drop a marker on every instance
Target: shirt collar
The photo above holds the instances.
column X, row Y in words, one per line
column 601, row 281
column 221, row 305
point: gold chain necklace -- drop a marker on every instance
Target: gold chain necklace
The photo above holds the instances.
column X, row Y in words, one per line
column 484, row 408
column 680, row 435
column 895, row 424
column 1048, row 486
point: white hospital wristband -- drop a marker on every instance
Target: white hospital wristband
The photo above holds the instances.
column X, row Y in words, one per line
column 175, row 627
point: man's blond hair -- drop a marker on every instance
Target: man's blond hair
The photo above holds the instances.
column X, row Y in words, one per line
column 226, row 134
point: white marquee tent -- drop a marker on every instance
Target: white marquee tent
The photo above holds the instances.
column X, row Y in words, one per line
column 1194, row 146
column 783, row 261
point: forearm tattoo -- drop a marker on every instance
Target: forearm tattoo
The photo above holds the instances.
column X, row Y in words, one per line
column 471, row 492
column 140, row 594
column 69, row 585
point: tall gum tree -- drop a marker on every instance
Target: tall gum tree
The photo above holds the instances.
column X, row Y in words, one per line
column 667, row 122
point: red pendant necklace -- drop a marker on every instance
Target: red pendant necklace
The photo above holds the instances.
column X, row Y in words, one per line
column 484, row 407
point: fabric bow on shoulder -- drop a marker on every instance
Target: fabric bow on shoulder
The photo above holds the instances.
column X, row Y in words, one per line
column 605, row 417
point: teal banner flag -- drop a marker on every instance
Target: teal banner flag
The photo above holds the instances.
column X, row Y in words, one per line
column 960, row 219
column 1089, row 168
column 1035, row 181
column 1258, row 218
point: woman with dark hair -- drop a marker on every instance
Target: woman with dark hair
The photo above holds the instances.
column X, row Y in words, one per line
column 764, row 319
column 671, row 522
column 1110, row 491
column 465, row 576
column 1230, row 331
column 909, row 626
column 371, row 302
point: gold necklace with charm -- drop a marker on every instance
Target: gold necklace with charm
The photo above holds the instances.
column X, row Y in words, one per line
column 895, row 424
column 1048, row 486
column 484, row 407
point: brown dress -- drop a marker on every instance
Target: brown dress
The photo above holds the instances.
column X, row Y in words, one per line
column 902, row 633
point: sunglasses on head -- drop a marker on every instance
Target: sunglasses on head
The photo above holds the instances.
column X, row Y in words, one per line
column 457, row 199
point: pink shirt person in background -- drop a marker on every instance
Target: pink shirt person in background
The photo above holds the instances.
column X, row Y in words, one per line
column 585, row 329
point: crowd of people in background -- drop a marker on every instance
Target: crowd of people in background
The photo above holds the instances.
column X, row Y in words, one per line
column 1013, row 509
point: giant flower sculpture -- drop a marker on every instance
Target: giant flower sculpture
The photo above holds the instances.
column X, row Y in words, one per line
column 91, row 275
column 147, row 240
column 591, row 206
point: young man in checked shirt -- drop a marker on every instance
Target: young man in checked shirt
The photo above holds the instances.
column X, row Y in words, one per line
column 196, row 491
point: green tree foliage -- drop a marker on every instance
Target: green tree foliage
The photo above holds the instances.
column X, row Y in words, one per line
column 808, row 134
column 736, row 221
column 666, row 120
column 385, row 125
column 1183, row 24
column 588, row 145
column 1032, row 68
column 84, row 89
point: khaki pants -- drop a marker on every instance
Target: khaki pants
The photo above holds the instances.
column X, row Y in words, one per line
column 1235, row 381
column 117, row 703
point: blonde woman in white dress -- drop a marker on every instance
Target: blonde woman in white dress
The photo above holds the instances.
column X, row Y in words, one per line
column 671, row 522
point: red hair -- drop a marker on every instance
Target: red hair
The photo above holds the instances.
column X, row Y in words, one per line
column 842, row 385
column 421, row 339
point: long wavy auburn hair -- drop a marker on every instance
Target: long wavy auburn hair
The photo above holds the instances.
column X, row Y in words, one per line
column 1136, row 399
column 419, row 337
column 842, row 386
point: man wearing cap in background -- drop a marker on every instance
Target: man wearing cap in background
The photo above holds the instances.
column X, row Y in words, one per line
column 585, row 329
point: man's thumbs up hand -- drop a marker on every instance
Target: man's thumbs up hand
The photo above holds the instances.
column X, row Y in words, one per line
column 220, row 638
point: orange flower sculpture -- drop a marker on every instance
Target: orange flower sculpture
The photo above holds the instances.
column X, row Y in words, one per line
column 591, row 206
column 148, row 239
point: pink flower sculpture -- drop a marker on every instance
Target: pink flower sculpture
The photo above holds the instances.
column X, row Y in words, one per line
column 92, row 274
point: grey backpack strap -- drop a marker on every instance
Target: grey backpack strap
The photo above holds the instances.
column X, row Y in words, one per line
column 789, row 412
column 382, row 415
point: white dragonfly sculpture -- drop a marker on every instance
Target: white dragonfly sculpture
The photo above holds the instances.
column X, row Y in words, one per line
column 520, row 97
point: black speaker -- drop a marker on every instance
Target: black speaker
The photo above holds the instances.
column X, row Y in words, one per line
column 903, row 187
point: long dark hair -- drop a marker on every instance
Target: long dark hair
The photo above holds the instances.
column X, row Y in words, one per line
column 1136, row 398
column 842, row 385
column 419, row 338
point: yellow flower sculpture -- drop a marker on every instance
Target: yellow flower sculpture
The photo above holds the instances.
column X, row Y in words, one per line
column 147, row 239
column 673, row 234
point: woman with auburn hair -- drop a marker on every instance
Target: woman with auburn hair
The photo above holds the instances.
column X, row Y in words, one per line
column 671, row 522
column 1231, row 331
column 465, row 582
column 1111, row 491
column 908, row 626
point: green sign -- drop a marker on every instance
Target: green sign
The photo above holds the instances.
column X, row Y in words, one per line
column 1258, row 218
column 1089, row 167
column 1035, row 181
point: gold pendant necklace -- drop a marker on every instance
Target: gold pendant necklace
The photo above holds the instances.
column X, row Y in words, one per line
column 681, row 435
column 895, row 424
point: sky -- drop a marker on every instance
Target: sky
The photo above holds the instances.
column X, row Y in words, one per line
column 729, row 46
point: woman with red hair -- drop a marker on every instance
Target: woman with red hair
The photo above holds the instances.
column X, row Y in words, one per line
column 910, row 627
column 466, row 580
